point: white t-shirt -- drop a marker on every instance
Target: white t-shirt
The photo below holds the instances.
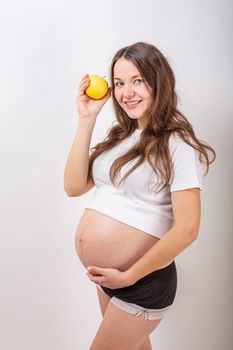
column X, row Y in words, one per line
column 134, row 203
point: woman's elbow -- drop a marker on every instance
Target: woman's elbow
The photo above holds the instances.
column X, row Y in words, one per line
column 187, row 235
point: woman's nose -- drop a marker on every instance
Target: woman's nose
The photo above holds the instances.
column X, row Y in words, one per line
column 128, row 92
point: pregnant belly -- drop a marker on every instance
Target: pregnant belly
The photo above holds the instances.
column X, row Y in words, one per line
column 105, row 242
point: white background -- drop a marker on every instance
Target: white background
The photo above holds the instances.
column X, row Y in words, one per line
column 46, row 300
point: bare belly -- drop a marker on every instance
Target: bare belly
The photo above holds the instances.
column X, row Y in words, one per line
column 105, row 242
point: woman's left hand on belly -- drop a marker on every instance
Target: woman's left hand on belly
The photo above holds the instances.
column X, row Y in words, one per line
column 108, row 277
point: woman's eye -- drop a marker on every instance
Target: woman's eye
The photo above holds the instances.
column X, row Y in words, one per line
column 139, row 81
column 117, row 84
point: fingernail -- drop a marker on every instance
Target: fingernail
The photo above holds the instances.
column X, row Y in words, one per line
column 89, row 268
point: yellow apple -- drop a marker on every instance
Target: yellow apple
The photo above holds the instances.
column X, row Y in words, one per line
column 98, row 87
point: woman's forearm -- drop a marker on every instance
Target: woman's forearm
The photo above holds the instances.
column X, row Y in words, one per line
column 76, row 169
column 164, row 251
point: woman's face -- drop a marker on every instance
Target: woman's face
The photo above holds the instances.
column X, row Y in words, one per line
column 131, row 91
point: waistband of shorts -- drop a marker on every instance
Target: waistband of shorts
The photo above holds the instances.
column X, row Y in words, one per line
column 167, row 269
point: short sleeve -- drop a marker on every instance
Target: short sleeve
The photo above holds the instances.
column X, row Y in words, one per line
column 187, row 168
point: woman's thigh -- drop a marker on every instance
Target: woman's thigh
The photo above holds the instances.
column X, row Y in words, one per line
column 103, row 300
column 122, row 330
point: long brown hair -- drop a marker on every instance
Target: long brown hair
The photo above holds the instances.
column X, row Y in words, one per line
column 163, row 118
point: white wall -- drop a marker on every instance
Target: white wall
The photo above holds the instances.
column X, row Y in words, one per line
column 46, row 46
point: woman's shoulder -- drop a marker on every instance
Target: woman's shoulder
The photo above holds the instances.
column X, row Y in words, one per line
column 177, row 144
column 175, row 138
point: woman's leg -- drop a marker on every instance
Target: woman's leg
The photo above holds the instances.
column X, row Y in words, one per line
column 146, row 345
column 104, row 299
column 122, row 330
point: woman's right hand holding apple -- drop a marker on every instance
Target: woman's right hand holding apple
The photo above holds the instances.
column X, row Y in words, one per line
column 88, row 108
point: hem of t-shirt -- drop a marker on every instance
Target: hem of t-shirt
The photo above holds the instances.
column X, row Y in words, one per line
column 186, row 186
column 124, row 221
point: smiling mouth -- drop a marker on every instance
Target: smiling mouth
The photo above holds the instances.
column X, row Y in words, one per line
column 132, row 104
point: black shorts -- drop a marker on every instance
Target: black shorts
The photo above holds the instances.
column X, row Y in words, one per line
column 154, row 291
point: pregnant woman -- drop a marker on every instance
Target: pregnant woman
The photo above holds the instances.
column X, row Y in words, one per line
column 147, row 174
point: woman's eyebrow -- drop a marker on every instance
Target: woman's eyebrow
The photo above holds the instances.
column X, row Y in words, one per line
column 134, row 76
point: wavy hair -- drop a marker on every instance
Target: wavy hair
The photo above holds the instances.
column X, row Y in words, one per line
column 163, row 119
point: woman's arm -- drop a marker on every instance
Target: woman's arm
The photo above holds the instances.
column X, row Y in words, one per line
column 76, row 181
column 186, row 206
column 76, row 169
